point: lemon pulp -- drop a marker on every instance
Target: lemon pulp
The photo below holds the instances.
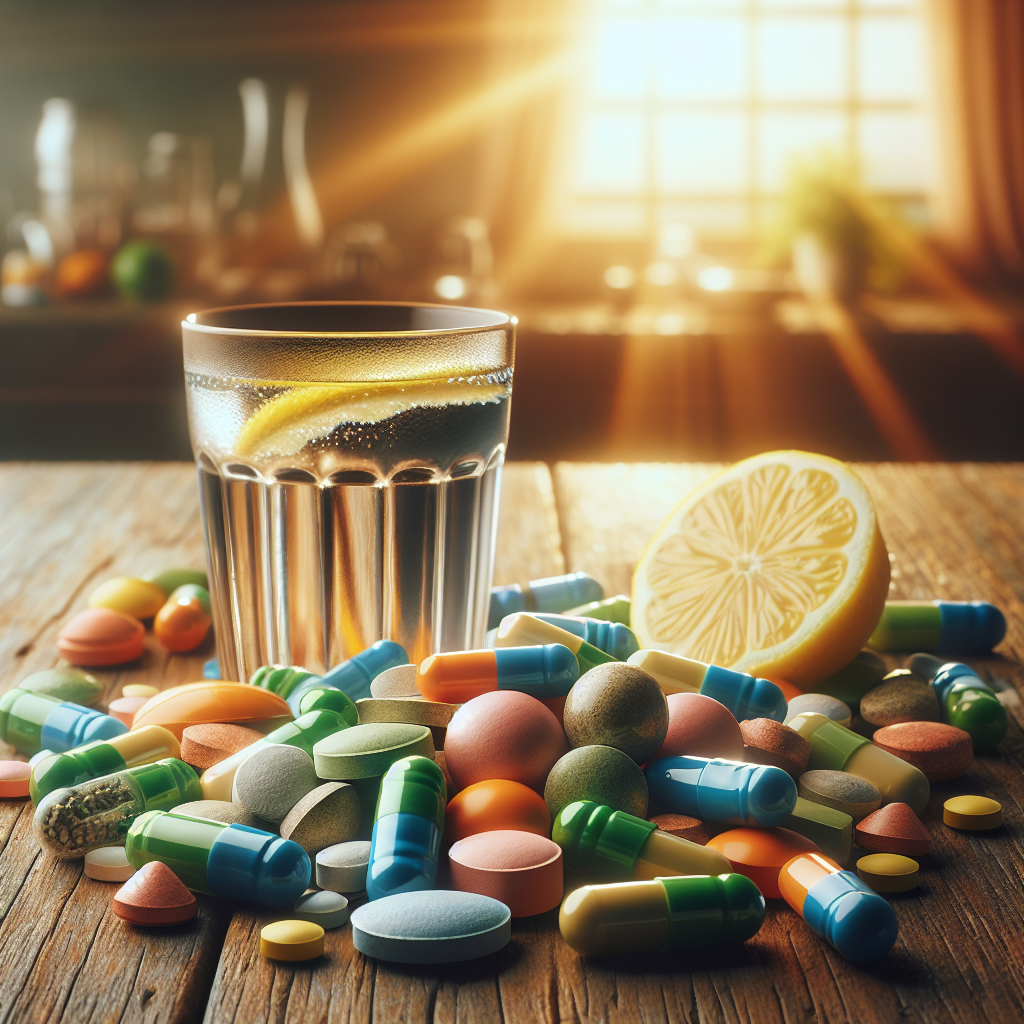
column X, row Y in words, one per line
column 775, row 566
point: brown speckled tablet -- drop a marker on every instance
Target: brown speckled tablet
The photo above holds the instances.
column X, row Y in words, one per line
column 685, row 827
column 324, row 817
column 154, row 895
column 203, row 746
column 766, row 741
column 940, row 751
column 894, row 828
column 900, row 697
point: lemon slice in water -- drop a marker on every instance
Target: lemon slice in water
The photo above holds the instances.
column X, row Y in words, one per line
column 306, row 412
column 775, row 566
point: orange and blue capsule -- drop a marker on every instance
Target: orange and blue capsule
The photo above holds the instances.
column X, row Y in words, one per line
column 839, row 907
column 544, row 672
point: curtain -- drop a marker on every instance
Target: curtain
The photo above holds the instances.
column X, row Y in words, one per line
column 978, row 82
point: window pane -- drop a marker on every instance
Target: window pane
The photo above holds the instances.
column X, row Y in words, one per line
column 895, row 149
column 725, row 216
column 783, row 136
column 700, row 58
column 803, row 59
column 621, row 59
column 612, row 155
column 821, row 5
column 708, row 6
column 889, row 60
column 601, row 217
column 701, row 153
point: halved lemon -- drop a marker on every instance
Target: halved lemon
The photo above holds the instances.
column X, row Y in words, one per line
column 775, row 566
column 306, row 412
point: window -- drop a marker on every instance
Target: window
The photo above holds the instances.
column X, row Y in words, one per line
column 692, row 109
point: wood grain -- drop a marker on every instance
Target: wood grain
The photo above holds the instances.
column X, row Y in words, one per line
column 953, row 531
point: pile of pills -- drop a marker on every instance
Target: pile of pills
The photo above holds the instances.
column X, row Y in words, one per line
column 654, row 800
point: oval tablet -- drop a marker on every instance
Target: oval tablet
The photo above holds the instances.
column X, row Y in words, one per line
column 823, row 704
column 437, row 926
column 408, row 711
column 108, row 864
column 760, row 853
column 137, row 598
column 938, row 750
column 889, row 872
column 399, row 681
column 496, row 804
column 367, row 751
column 845, row 792
column 138, row 690
column 521, row 869
column 125, row 708
column 101, row 636
column 292, row 940
column 273, row 780
column 203, row 746
column 198, row 703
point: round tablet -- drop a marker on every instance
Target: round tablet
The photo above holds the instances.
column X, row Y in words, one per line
column 602, row 774
column 841, row 790
column 367, row 751
column 700, row 726
column 398, row 681
column 273, row 780
column 108, row 864
column 139, row 690
column 617, row 705
column 940, row 751
column 503, row 735
column 324, row 817
column 342, row 868
column 889, row 872
column 124, row 708
column 682, row 825
column 766, row 741
column 154, row 895
column 411, row 711
column 821, row 703
column 225, row 811
column 292, row 940
column 972, row 813
column 207, row 744
column 759, row 853
column 521, row 869
column 14, row 776
column 101, row 636
column 327, row 909
column 438, row 926
column 901, row 697
column 496, row 804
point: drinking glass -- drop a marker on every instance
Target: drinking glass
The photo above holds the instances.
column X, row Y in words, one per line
column 349, row 459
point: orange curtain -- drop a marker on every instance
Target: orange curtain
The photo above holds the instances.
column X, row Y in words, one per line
column 978, row 74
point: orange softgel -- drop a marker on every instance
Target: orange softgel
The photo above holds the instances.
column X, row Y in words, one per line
column 496, row 804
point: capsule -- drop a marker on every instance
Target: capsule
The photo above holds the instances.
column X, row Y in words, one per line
column 406, row 839
column 852, row 681
column 551, row 594
column 320, row 698
column 525, row 630
column 743, row 694
column 543, row 672
column 954, row 627
column 610, row 609
column 685, row 912
column 611, row 637
column 612, row 846
column 221, row 860
column 69, row 822
column 839, row 907
column 183, row 622
column 304, row 732
column 836, row 748
column 353, row 677
column 32, row 721
column 714, row 789
column 102, row 757
column 281, row 679
column 965, row 700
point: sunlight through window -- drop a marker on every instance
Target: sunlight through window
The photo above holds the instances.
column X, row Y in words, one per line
column 693, row 109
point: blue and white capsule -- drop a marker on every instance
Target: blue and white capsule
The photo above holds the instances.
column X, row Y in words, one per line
column 551, row 594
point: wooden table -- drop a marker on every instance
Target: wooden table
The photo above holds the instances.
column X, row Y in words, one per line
column 953, row 531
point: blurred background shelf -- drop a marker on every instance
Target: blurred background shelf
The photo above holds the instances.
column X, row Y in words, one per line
column 592, row 382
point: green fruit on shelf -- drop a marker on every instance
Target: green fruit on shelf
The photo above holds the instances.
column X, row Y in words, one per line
column 143, row 271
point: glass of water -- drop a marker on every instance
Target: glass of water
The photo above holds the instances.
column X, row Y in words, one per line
column 349, row 459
